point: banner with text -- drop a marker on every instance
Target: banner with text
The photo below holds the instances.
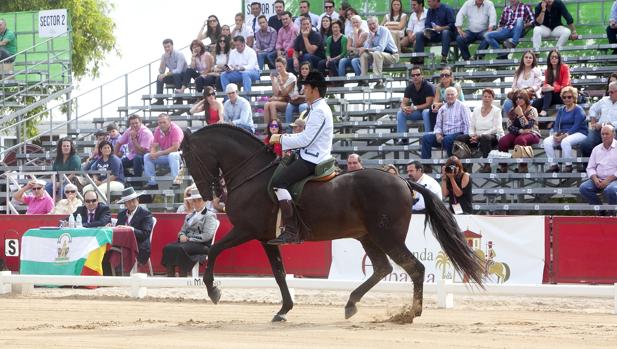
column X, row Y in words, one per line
column 511, row 249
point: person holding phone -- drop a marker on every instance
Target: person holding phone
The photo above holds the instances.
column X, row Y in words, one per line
column 242, row 67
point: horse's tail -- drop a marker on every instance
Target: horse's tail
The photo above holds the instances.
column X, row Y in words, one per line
column 449, row 235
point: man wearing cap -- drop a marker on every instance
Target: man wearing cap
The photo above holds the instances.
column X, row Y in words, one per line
column 164, row 150
column 314, row 145
column 237, row 110
column 138, row 219
column 93, row 213
column 39, row 202
column 298, row 125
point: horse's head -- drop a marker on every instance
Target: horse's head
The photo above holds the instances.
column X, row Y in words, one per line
column 203, row 168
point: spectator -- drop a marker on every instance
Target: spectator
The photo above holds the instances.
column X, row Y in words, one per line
column 66, row 160
column 70, row 204
column 39, row 202
column 226, row 31
column 8, row 45
column 171, row 70
column 194, row 238
column 611, row 78
column 456, row 186
column 452, row 121
column 602, row 170
column 325, row 27
column 379, row 50
column 611, row 29
column 139, row 139
column 556, row 77
column 213, row 31
column 164, row 150
column 439, row 28
column 548, row 23
column 395, row 22
column 349, row 29
column 417, row 99
column 221, row 59
column 416, row 23
column 481, row 16
column 355, row 41
column 276, row 21
column 336, row 49
column 342, row 12
column 329, row 7
column 601, row 113
column 274, row 127
column 569, row 129
column 527, row 77
column 107, row 162
column 285, row 38
column 354, row 163
column 298, row 125
column 265, row 42
column 305, row 10
column 391, row 169
column 297, row 99
column 417, row 175
column 522, row 125
column 253, row 19
column 243, row 66
column 237, row 110
column 283, row 85
column 308, row 46
column 243, row 30
column 187, row 206
column 113, row 133
column 485, row 128
column 99, row 136
column 210, row 105
column 446, row 80
column 199, row 68
column 93, row 213
column 515, row 17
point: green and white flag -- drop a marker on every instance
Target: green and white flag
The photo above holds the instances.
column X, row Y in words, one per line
column 61, row 251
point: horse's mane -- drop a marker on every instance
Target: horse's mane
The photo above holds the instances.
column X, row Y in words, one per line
column 241, row 132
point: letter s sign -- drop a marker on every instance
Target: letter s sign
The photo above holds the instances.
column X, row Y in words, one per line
column 11, row 248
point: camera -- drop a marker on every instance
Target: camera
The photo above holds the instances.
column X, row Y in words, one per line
column 451, row 169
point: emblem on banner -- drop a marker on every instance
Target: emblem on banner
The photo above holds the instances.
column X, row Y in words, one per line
column 64, row 242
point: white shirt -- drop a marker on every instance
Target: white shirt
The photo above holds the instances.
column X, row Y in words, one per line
column 535, row 80
column 604, row 110
column 431, row 184
column 349, row 27
column 333, row 17
column 480, row 18
column 486, row 125
column 416, row 24
column 315, row 142
column 247, row 59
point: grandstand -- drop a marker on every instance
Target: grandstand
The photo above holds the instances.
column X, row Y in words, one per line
column 366, row 118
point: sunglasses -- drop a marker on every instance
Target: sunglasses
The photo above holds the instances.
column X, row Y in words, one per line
column 414, row 75
column 37, row 188
column 519, row 97
column 567, row 97
column 70, row 191
column 274, row 126
column 328, row 6
column 211, row 94
column 90, row 201
column 445, row 75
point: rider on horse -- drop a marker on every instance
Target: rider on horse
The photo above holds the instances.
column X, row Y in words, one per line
column 314, row 145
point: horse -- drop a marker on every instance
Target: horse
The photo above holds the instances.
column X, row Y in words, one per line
column 370, row 205
column 500, row 269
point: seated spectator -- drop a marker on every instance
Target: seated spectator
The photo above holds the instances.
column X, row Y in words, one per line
column 548, row 23
column 171, row 70
column 527, row 77
column 194, row 238
column 212, row 107
column 416, row 174
column 164, row 151
column 416, row 102
column 308, row 46
column 395, row 22
column 391, row 169
column 569, row 129
column 237, row 110
column 187, row 206
column 221, row 59
column 39, row 202
column 298, row 125
column 452, row 121
column 602, row 170
column 456, row 186
column 139, row 139
column 336, row 50
column 285, row 38
column 274, row 127
column 446, row 79
column 107, row 162
column 379, row 50
column 556, row 77
column 516, row 16
column 355, row 41
column 481, row 17
column 99, row 136
column 328, row 6
column 283, row 85
column 243, row 30
column 113, row 134
column 242, row 67
column 611, row 29
column 305, row 12
column 8, row 44
column 201, row 64
column 276, row 21
column 70, row 204
column 93, row 213
column 522, row 125
column 415, row 26
column 66, row 160
column 439, row 28
column 297, row 99
column 213, row 32
column 265, row 43
column 325, row 27
column 601, row 113
column 349, row 29
column 226, row 31
column 611, row 78
column 485, row 128
column 354, row 163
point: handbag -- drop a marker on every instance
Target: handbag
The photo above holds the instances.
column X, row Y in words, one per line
column 461, row 150
column 522, row 151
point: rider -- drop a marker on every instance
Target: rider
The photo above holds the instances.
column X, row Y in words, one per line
column 314, row 144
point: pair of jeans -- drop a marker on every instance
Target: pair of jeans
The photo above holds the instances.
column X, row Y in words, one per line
column 137, row 163
column 444, row 36
column 592, row 140
column 171, row 160
column 293, row 108
column 463, row 42
column 191, row 73
column 331, row 66
column 343, row 64
column 429, row 140
column 307, row 57
column 4, row 53
column 589, row 192
column 548, row 99
column 493, row 38
column 402, row 118
column 264, row 58
column 176, row 79
column 244, row 77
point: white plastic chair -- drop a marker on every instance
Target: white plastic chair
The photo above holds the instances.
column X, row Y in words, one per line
column 195, row 270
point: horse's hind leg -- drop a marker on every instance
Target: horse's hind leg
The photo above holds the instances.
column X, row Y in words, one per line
column 403, row 257
column 278, row 270
column 381, row 268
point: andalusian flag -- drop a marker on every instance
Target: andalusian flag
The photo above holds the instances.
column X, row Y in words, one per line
column 64, row 251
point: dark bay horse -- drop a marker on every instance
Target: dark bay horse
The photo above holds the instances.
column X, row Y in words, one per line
column 371, row 206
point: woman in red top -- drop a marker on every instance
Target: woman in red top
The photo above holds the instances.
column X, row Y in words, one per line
column 556, row 77
column 212, row 107
column 275, row 127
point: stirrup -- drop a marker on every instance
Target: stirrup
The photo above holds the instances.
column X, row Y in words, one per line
column 286, row 238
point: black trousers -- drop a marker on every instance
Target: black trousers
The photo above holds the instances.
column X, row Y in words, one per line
column 611, row 34
column 298, row 170
column 485, row 143
column 548, row 98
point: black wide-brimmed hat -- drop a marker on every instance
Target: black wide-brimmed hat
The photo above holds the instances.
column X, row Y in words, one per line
column 315, row 79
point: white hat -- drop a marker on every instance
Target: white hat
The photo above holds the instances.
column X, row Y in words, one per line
column 231, row 88
column 194, row 194
column 40, row 182
column 129, row 194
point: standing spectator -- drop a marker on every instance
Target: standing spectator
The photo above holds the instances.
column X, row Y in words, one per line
column 199, row 68
column 417, row 175
column 210, row 105
column 355, row 41
column 482, row 18
column 556, row 77
column 308, row 46
column 213, row 31
column 173, row 61
column 276, row 21
column 446, row 79
column 139, row 139
column 93, row 213
column 325, row 27
column 8, row 46
column 452, row 121
column 221, row 59
column 329, row 7
column 285, row 38
column 274, row 127
column 416, row 103
column 485, row 128
column 265, row 42
column 39, row 202
column 66, row 160
column 527, row 77
column 601, row 113
column 107, row 162
column 243, row 66
column 164, row 150
column 243, row 30
column 456, row 186
column 379, row 50
column 253, row 19
column 415, row 27
column 548, row 23
column 396, row 21
column 439, row 28
column 569, row 129
column 70, row 204
column 237, row 110
column 515, row 17
column 354, row 163
column 602, row 170
column 336, row 49
column 305, row 10
column 283, row 85
column 297, row 99
column 611, row 29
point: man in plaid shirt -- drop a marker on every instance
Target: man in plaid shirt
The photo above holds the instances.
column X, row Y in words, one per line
column 514, row 19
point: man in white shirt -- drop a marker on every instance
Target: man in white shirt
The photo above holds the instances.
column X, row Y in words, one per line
column 601, row 113
column 242, row 67
column 329, row 7
column 416, row 174
column 415, row 24
column 481, row 17
column 252, row 20
column 305, row 8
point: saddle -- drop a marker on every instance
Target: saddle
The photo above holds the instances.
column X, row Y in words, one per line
column 324, row 171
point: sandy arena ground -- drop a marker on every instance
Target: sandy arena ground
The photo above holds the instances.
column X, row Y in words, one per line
column 183, row 318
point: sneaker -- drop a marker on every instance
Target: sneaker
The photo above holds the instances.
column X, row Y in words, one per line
column 379, row 85
column 503, row 168
column 402, row 142
column 509, row 44
column 158, row 101
column 362, row 83
column 553, row 169
column 568, row 169
column 486, row 168
column 444, row 60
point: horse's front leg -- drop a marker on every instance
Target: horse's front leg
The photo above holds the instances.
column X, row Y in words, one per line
column 278, row 270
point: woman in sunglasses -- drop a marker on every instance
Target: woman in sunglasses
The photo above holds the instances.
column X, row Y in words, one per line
column 446, row 79
column 212, row 107
column 221, row 57
column 275, row 127
column 70, row 204
column 39, row 202
column 213, row 30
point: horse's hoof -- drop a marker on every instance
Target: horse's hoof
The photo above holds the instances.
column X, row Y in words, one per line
column 279, row 318
column 215, row 295
column 350, row 311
